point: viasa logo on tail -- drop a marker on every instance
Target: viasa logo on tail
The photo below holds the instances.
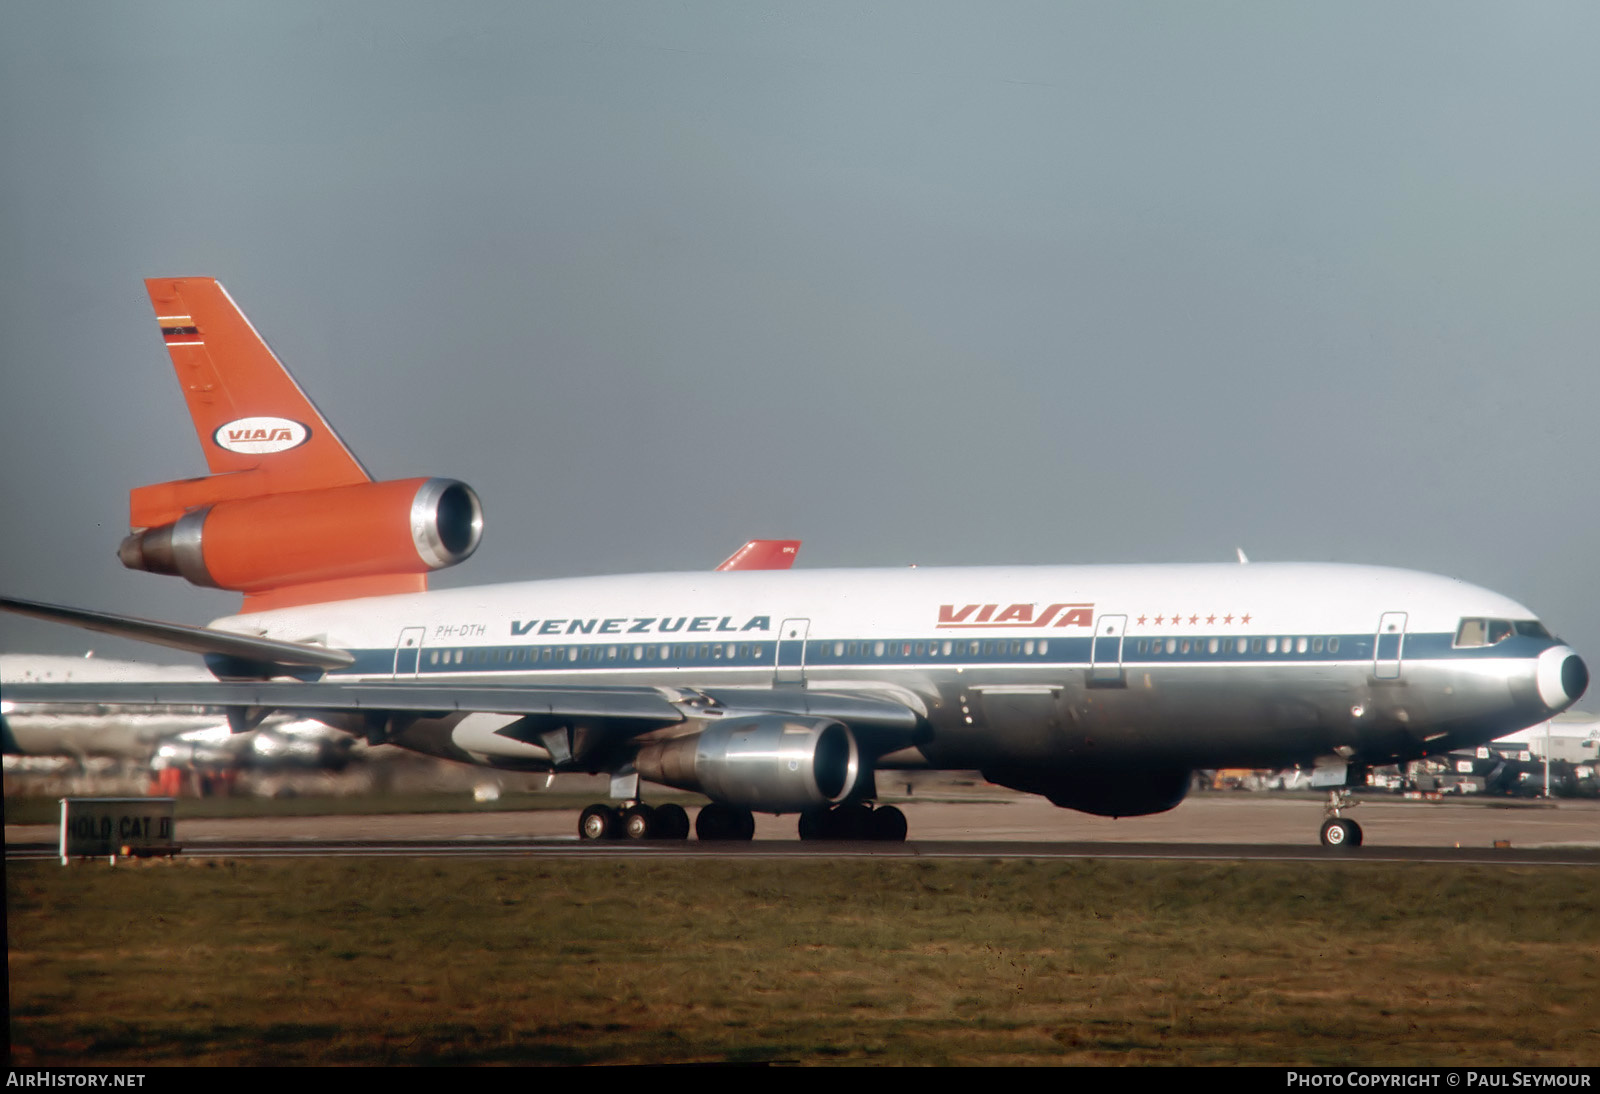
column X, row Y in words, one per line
column 1014, row 616
column 259, row 436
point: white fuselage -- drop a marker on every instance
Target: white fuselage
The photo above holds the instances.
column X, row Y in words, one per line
column 1009, row 668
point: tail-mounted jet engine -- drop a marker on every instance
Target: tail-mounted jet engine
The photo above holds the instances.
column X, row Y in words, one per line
column 256, row 544
column 768, row 763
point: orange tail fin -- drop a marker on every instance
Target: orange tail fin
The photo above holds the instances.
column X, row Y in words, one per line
column 288, row 515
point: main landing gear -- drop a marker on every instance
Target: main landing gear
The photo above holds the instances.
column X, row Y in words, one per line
column 1340, row 831
column 671, row 821
column 719, row 822
column 856, row 821
column 635, row 822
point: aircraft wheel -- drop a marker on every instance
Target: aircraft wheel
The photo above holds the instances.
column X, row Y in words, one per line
column 744, row 827
column 714, row 823
column 849, row 822
column 887, row 825
column 1339, row 832
column 813, row 824
column 639, row 822
column 597, row 822
column 672, row 821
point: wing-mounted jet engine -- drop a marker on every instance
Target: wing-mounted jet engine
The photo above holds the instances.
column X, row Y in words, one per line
column 770, row 763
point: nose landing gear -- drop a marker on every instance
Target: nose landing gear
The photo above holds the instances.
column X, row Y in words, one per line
column 1340, row 831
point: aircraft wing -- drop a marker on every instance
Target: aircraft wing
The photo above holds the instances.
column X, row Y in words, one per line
column 609, row 702
column 883, row 724
column 609, row 716
column 203, row 640
column 648, row 704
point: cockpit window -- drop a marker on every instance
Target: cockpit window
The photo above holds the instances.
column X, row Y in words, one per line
column 1488, row 632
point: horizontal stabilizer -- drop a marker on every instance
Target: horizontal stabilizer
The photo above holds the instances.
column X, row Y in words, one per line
column 202, row 640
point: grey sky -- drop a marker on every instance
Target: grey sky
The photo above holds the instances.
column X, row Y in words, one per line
column 915, row 283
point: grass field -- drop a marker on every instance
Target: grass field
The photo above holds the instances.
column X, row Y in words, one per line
column 385, row 961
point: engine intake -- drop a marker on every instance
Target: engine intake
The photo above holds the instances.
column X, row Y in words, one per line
column 408, row 526
column 769, row 763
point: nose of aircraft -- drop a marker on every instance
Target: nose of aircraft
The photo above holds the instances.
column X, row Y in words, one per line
column 1563, row 678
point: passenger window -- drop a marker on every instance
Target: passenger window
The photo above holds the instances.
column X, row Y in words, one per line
column 1333, row 645
column 1300, row 645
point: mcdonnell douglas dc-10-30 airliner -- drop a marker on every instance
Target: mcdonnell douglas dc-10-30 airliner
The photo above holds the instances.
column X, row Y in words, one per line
column 786, row 692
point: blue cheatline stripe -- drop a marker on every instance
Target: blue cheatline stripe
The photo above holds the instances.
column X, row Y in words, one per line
column 527, row 658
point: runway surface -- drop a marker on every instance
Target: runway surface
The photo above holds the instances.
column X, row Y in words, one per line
column 659, row 851
column 1210, row 826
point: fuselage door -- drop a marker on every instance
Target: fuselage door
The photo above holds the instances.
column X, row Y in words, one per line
column 1387, row 649
column 408, row 651
column 1105, row 656
column 790, row 667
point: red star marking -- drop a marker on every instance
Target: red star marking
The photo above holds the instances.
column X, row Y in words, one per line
column 1228, row 618
column 1244, row 619
column 1141, row 621
column 1159, row 618
column 1194, row 619
column 1211, row 619
column 1176, row 620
